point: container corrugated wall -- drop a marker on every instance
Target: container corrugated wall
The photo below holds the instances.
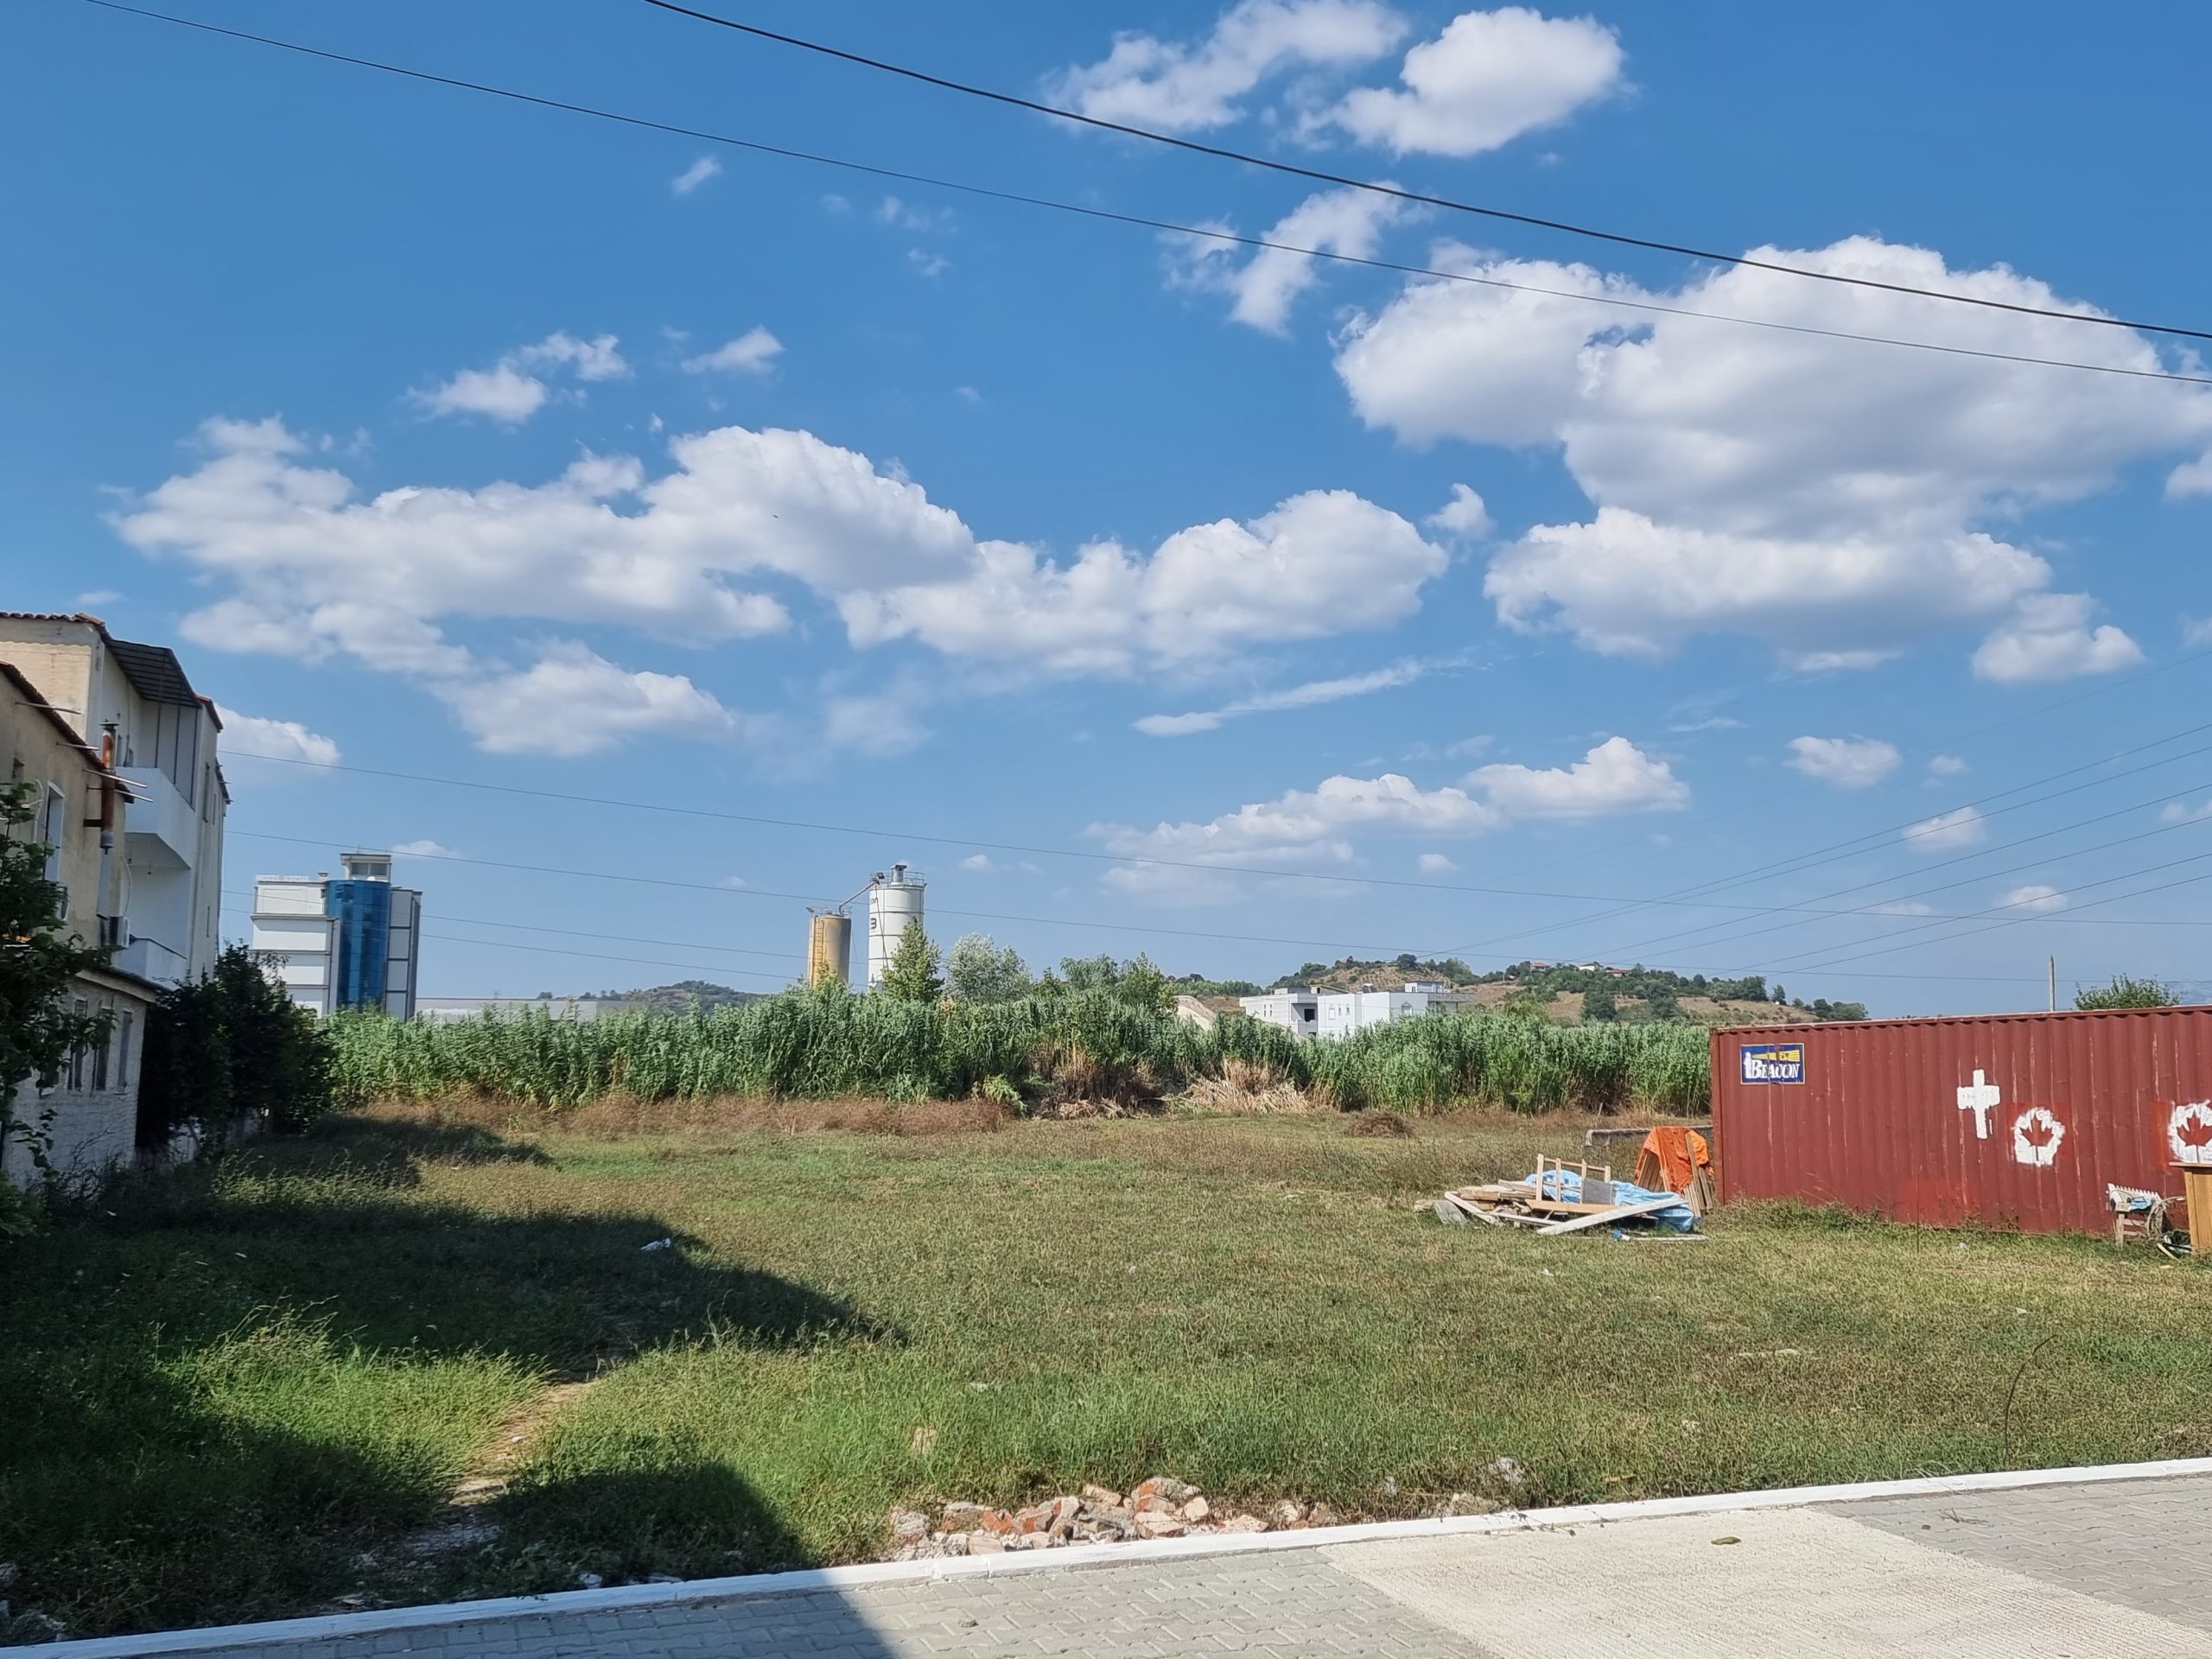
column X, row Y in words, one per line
column 2008, row 1119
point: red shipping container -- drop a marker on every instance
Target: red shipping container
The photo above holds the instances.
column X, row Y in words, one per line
column 2010, row 1120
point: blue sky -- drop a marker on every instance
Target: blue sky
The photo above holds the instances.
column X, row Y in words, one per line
column 451, row 437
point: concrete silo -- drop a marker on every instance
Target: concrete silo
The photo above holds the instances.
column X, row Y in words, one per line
column 893, row 900
column 830, row 948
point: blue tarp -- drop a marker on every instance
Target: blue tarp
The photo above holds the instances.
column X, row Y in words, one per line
column 1565, row 1186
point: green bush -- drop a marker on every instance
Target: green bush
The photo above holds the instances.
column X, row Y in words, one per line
column 826, row 1043
column 230, row 1048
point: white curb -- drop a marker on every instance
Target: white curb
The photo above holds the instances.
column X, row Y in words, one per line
column 627, row 1597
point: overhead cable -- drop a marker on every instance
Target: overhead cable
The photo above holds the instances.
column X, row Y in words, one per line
column 1211, row 233
column 1418, row 198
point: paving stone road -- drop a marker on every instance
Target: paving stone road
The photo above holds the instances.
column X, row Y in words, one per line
column 2072, row 1572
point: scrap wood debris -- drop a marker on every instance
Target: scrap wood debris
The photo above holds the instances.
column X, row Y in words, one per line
column 1559, row 1198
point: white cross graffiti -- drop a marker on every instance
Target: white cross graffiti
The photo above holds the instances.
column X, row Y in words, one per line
column 1980, row 1098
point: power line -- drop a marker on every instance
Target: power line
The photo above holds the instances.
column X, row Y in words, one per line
column 1984, row 875
column 1954, row 740
column 579, row 933
column 1014, row 846
column 598, row 956
column 1798, row 862
column 1936, row 826
column 684, row 945
column 815, row 899
column 1414, row 196
column 1790, row 962
column 689, row 945
column 1211, row 234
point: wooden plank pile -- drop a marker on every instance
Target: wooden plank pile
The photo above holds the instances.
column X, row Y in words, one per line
column 1541, row 1204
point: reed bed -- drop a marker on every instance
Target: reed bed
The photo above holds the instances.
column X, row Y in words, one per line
column 832, row 1043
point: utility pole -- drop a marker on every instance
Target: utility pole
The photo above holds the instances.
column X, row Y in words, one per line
column 2054, row 984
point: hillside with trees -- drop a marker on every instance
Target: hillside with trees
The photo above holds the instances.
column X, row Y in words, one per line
column 1591, row 993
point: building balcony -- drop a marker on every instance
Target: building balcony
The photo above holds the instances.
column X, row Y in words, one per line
column 162, row 828
column 151, row 959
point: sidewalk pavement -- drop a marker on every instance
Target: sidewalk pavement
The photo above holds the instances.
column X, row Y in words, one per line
column 2094, row 1563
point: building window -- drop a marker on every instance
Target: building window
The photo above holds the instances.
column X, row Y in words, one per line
column 123, row 1051
column 100, row 1066
column 80, row 1008
column 52, row 820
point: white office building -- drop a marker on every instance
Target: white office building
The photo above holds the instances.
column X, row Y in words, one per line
column 132, row 704
column 348, row 942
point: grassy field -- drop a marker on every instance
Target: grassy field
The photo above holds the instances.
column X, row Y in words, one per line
column 242, row 1391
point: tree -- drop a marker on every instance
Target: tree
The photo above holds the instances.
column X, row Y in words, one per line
column 2126, row 993
column 913, row 975
column 976, row 970
column 1598, row 1004
column 1142, row 985
column 38, row 960
column 233, row 1047
column 1780, row 996
column 1660, row 1002
column 1098, row 973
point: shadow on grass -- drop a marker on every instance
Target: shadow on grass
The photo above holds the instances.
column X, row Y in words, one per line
column 233, row 1394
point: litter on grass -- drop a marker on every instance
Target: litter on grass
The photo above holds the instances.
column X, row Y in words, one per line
column 1558, row 1197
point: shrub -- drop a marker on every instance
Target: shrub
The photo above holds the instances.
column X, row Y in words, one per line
column 2126, row 993
column 232, row 1047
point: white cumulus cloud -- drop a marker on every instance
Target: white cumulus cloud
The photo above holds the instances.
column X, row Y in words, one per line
column 2036, row 896
column 1265, row 286
column 2048, row 638
column 246, row 736
column 1490, row 77
column 424, row 849
column 1848, row 762
column 513, row 389
column 1838, row 529
column 1315, row 828
column 1434, row 864
column 753, row 352
column 1465, row 515
column 741, row 525
column 1614, row 778
column 574, row 702
column 1148, row 82
column 1963, row 827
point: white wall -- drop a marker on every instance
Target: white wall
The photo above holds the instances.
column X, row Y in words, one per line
column 1294, row 1011
column 93, row 1119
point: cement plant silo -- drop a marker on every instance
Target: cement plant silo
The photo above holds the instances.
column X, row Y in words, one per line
column 830, row 948
column 893, row 901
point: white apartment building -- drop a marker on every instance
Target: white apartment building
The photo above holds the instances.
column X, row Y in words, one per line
column 1296, row 1011
column 1342, row 1013
column 161, row 736
column 346, row 942
column 88, row 1114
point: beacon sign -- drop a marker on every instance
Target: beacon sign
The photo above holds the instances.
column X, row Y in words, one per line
column 1773, row 1062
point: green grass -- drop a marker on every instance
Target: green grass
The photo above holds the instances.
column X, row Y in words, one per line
column 805, row 1045
column 236, row 1396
